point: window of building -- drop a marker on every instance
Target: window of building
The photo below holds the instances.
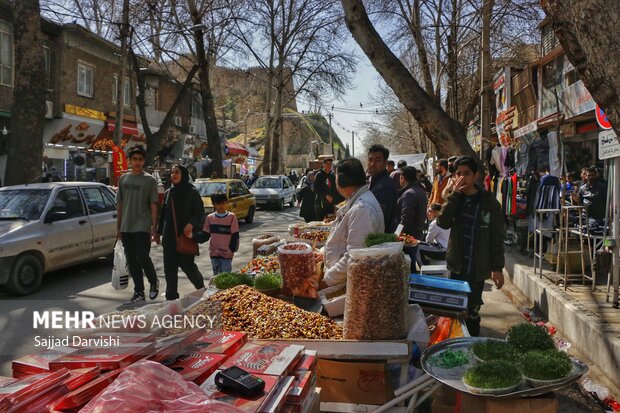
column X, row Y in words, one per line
column 85, row 85
column 48, row 64
column 115, row 89
column 196, row 106
column 127, row 97
column 6, row 54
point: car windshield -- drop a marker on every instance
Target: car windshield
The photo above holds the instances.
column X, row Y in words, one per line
column 210, row 188
column 267, row 183
column 23, row 203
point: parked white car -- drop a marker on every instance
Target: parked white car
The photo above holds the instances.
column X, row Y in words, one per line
column 274, row 190
column 49, row 226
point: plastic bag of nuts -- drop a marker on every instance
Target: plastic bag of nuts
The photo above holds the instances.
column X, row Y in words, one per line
column 299, row 275
column 376, row 305
column 266, row 239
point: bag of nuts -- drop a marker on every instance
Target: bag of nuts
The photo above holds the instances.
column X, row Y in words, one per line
column 258, row 242
column 376, row 304
column 299, row 275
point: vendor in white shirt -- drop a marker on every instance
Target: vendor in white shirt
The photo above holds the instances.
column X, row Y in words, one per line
column 360, row 216
column 436, row 239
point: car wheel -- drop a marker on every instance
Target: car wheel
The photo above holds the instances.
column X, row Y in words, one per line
column 250, row 218
column 292, row 204
column 281, row 206
column 26, row 275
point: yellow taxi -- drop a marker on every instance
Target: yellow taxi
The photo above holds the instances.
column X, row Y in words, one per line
column 240, row 200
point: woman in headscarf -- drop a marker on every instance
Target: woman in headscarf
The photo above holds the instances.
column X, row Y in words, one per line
column 307, row 197
column 189, row 212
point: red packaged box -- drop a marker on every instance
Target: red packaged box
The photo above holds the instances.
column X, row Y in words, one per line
column 44, row 403
column 28, row 389
column 38, row 363
column 91, row 340
column 172, row 347
column 197, row 366
column 304, row 382
column 307, row 361
column 105, row 358
column 79, row 397
column 219, row 342
column 276, row 402
column 271, row 358
column 246, row 405
column 302, row 407
column 79, row 377
column 5, row 381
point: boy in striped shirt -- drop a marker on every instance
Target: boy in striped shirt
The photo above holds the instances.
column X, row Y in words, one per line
column 222, row 228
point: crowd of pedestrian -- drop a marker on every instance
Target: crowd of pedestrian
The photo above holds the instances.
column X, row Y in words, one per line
column 452, row 219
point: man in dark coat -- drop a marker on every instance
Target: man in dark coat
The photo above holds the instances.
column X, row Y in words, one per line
column 382, row 186
column 325, row 191
column 411, row 210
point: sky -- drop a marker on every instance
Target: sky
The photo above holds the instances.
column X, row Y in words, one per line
column 345, row 117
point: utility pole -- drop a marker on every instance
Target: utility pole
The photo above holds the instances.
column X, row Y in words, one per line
column 120, row 92
column 485, row 75
column 353, row 144
column 331, row 139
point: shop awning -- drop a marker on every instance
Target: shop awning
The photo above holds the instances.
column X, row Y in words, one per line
column 234, row 148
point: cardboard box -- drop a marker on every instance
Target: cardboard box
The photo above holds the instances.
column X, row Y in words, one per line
column 354, row 382
column 271, row 358
column 477, row 404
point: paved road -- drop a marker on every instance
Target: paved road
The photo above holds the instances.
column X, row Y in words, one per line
column 87, row 287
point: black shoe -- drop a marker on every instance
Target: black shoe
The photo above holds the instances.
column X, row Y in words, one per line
column 154, row 290
column 136, row 298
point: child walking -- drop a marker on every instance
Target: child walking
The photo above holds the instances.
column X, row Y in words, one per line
column 222, row 228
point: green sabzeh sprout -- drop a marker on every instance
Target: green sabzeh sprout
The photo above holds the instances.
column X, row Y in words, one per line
column 546, row 365
column 490, row 375
column 450, row 359
column 226, row 280
column 489, row 350
column 268, row 281
column 526, row 337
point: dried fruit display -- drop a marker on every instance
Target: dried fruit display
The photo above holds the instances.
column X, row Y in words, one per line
column 263, row 317
column 316, row 235
column 299, row 277
column 260, row 265
column 376, row 304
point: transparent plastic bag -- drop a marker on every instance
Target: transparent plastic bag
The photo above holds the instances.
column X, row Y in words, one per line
column 266, row 239
column 299, row 274
column 149, row 387
column 120, row 272
column 376, row 305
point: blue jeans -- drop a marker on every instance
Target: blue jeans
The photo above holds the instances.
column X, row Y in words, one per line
column 221, row 265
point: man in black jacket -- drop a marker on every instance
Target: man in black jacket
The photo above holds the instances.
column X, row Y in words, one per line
column 382, row 186
column 325, row 191
column 411, row 210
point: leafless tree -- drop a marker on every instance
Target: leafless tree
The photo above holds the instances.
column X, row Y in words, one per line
column 299, row 45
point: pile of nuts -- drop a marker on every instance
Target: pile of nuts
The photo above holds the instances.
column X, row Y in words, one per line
column 211, row 313
column 408, row 240
column 317, row 235
column 263, row 317
column 261, row 241
column 376, row 305
column 299, row 277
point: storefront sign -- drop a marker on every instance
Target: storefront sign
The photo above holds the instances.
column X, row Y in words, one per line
column 577, row 100
column 608, row 145
column 119, row 161
column 72, row 130
column 189, row 143
column 529, row 128
column 87, row 113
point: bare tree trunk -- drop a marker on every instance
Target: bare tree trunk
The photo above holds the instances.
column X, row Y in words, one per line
column 25, row 148
column 208, row 101
column 586, row 31
column 446, row 133
column 153, row 139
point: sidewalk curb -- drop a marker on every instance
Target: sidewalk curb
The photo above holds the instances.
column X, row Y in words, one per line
column 593, row 337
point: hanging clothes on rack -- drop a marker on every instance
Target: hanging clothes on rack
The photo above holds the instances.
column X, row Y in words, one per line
column 555, row 162
column 523, row 156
